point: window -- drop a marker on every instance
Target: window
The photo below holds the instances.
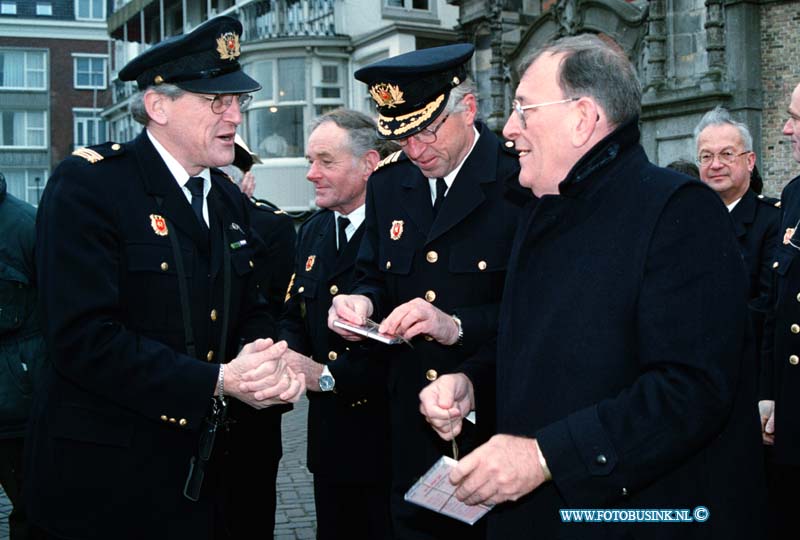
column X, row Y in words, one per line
column 23, row 129
column 90, row 9
column 22, row 70
column 415, row 9
column 90, row 72
column 26, row 184
column 408, row 4
column 328, row 85
column 44, row 9
column 8, row 8
column 89, row 127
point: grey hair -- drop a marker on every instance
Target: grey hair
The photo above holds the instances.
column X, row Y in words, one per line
column 719, row 116
column 361, row 129
column 137, row 108
column 596, row 68
column 454, row 102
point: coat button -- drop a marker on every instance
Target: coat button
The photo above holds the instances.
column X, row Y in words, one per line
column 251, row 264
column 173, row 421
column 164, row 417
column 431, row 375
column 430, row 296
column 213, row 315
column 624, row 491
column 795, row 328
column 601, row 459
column 334, row 290
column 794, row 359
column 509, row 144
column 775, row 264
column 210, row 356
column 428, row 338
column 431, row 257
column 301, row 289
column 482, row 265
column 798, row 297
column 332, row 356
column 115, row 147
column 182, row 422
column 164, row 266
column 388, row 264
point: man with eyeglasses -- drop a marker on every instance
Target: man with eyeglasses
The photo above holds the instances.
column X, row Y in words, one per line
column 726, row 160
column 440, row 215
column 619, row 369
column 780, row 387
column 150, row 311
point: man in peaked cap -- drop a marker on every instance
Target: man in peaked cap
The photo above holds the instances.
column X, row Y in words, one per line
column 153, row 298
column 440, row 216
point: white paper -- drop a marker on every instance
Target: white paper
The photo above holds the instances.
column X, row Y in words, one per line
column 365, row 331
column 435, row 492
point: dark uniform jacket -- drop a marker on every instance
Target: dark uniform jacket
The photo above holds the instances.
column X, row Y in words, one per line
column 116, row 425
column 620, row 348
column 22, row 354
column 756, row 219
column 456, row 261
column 780, row 380
column 347, row 429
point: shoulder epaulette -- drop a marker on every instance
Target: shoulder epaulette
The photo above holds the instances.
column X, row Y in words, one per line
column 391, row 158
column 771, row 201
column 94, row 154
column 266, row 205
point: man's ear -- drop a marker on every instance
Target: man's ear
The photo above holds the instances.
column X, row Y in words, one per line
column 472, row 109
column 370, row 161
column 751, row 161
column 585, row 123
column 156, row 106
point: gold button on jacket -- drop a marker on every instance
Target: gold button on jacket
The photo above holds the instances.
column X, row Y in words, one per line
column 430, row 296
column 213, row 314
column 210, row 356
column 795, row 328
column 431, row 375
column 332, row 356
column 794, row 359
column 164, row 266
column 432, row 257
column 334, row 290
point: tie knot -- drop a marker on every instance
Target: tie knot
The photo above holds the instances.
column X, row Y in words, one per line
column 343, row 222
column 195, row 186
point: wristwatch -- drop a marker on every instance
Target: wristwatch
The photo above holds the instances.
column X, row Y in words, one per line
column 326, row 380
column 460, row 339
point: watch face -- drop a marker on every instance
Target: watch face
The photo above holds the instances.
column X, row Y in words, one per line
column 326, row 383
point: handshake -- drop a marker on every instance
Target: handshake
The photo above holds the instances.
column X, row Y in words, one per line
column 261, row 376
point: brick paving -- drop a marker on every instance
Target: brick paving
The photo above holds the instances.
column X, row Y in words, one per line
column 295, row 518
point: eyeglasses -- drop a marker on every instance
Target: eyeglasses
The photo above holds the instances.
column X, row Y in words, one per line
column 520, row 108
column 425, row 136
column 222, row 102
column 726, row 157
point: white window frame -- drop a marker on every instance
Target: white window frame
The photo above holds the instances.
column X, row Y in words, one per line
column 8, row 8
column 89, row 18
column 27, row 129
column 44, row 9
column 28, row 70
column 409, row 11
column 30, row 187
column 82, row 56
column 88, row 116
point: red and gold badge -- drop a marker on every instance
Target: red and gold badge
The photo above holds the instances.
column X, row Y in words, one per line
column 159, row 225
column 397, row 230
column 387, row 95
column 310, row 262
column 787, row 236
column 228, row 46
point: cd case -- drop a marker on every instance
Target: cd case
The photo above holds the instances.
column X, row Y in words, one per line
column 368, row 331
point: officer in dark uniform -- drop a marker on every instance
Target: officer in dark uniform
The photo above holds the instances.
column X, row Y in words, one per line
column 348, row 416
column 726, row 160
column 145, row 265
column 255, row 435
column 440, row 218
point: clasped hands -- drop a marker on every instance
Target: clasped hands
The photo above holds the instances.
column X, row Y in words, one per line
column 260, row 375
column 415, row 317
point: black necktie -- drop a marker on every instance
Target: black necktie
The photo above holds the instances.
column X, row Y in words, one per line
column 343, row 223
column 195, row 186
column 441, row 187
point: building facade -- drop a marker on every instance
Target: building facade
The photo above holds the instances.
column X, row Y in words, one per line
column 53, row 86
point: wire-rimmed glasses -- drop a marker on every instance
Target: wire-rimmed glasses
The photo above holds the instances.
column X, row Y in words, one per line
column 222, row 102
column 425, row 136
column 726, row 157
column 520, row 109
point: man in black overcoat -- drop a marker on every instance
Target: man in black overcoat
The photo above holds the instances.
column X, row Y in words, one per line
column 621, row 374
column 440, row 217
column 145, row 266
column 348, row 416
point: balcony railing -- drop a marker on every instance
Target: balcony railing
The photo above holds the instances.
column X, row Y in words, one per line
column 286, row 18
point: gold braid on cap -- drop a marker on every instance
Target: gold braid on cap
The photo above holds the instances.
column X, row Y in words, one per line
column 414, row 119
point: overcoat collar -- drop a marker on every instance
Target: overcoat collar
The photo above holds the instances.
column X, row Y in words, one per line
column 744, row 213
column 325, row 247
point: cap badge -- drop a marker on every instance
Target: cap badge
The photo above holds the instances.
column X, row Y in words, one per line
column 397, row 230
column 310, row 262
column 159, row 225
column 787, row 236
column 228, row 46
column 387, row 95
